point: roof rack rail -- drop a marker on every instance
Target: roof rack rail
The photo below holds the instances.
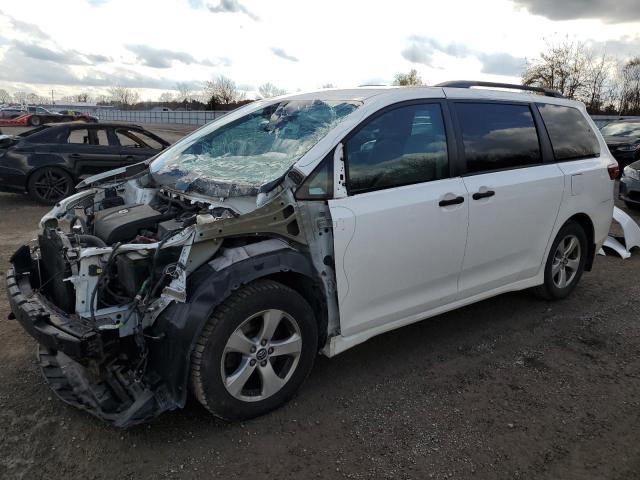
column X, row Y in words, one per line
column 512, row 86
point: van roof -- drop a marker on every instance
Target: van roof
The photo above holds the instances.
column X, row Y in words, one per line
column 439, row 91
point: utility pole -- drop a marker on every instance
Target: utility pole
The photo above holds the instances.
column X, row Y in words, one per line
column 52, row 103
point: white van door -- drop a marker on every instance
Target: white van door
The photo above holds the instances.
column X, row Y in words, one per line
column 514, row 197
column 400, row 234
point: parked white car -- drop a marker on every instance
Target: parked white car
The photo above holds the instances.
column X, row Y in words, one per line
column 306, row 223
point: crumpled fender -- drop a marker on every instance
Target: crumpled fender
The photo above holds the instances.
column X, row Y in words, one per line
column 178, row 328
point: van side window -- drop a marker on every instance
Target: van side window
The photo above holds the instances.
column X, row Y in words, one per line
column 319, row 184
column 497, row 136
column 402, row 146
column 570, row 134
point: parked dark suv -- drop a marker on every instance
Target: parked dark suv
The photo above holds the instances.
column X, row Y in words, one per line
column 49, row 160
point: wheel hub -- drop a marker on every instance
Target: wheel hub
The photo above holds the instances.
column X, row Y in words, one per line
column 262, row 354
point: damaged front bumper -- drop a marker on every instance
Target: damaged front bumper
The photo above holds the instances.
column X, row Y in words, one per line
column 80, row 362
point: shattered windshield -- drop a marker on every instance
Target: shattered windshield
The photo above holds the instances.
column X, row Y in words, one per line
column 258, row 148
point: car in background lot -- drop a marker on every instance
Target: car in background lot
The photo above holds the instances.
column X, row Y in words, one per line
column 48, row 161
column 623, row 140
column 629, row 190
column 79, row 116
column 35, row 116
column 11, row 112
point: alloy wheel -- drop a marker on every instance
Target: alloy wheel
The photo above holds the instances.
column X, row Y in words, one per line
column 261, row 355
column 52, row 185
column 566, row 261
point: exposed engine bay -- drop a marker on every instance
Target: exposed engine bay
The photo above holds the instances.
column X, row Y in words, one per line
column 122, row 267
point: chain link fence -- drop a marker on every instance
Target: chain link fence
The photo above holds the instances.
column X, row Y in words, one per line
column 194, row 117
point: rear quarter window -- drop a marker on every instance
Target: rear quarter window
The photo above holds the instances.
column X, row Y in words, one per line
column 570, row 134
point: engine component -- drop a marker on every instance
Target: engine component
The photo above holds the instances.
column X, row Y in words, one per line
column 54, row 268
column 124, row 223
column 133, row 270
column 168, row 226
column 111, row 199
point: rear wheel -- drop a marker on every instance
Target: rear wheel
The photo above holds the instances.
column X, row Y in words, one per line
column 254, row 352
column 632, row 205
column 34, row 120
column 565, row 263
column 49, row 185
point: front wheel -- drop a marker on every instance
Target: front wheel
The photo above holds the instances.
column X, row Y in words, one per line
column 254, row 352
column 34, row 120
column 565, row 263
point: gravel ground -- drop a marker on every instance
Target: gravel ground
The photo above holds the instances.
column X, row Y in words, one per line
column 512, row 387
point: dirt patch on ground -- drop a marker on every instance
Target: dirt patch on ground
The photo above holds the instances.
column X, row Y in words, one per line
column 512, row 387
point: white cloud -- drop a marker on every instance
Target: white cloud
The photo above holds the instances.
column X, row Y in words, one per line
column 154, row 45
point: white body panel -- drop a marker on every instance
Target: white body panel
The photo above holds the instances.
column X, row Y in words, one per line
column 509, row 232
column 401, row 258
column 398, row 253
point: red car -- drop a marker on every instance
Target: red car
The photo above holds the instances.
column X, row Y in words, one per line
column 35, row 116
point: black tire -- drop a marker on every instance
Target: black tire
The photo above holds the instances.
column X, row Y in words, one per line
column 632, row 205
column 35, row 120
column 49, row 185
column 207, row 369
column 550, row 290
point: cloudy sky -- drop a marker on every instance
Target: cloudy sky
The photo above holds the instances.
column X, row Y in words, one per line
column 88, row 45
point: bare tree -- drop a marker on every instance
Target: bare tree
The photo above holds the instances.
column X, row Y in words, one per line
column 20, row 97
column 5, row 97
column 166, row 97
column 563, row 67
column 223, row 91
column 408, row 79
column 629, row 78
column 32, row 99
column 185, row 92
column 598, row 81
column 82, row 97
column 328, row 85
column 268, row 90
column 124, row 96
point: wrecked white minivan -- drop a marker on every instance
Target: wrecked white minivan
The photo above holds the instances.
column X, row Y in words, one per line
column 301, row 224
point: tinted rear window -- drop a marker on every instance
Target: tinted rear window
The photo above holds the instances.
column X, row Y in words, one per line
column 498, row 136
column 570, row 133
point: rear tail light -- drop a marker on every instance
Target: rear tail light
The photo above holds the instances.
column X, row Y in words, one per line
column 614, row 171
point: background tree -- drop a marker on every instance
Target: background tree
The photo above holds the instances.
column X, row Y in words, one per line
column 166, row 97
column 83, row 97
column 185, row 92
column 268, row 90
column 581, row 73
column 629, row 88
column 408, row 79
column 32, row 99
column 20, row 97
column 328, row 85
column 124, row 96
column 5, row 97
column 562, row 67
column 223, row 91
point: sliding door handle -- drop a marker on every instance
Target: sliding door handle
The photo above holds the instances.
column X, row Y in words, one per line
column 487, row 194
column 452, row 201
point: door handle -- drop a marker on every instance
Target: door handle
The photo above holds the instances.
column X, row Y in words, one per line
column 452, row 201
column 487, row 194
column 75, row 155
